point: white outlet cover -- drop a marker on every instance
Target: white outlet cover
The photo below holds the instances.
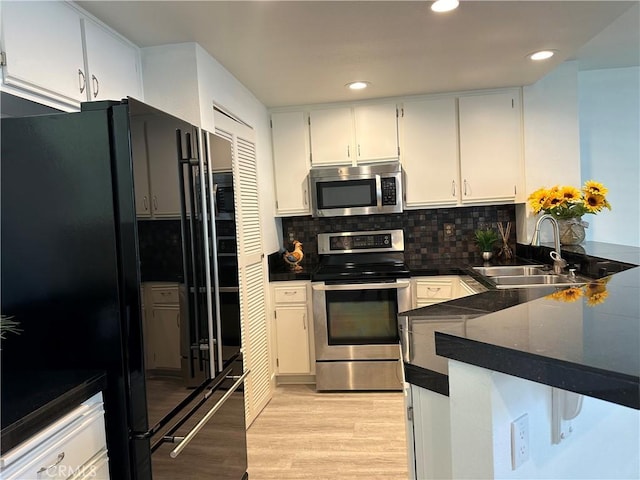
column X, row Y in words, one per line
column 519, row 441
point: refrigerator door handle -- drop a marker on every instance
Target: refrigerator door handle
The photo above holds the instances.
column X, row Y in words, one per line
column 216, row 336
column 189, row 247
column 194, row 431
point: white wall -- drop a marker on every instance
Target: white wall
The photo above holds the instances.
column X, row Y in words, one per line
column 604, row 444
column 609, row 102
column 551, row 139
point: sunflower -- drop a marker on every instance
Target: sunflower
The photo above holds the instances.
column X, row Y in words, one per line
column 597, row 298
column 570, row 194
column 554, row 199
column 594, row 203
column 594, row 187
column 536, row 199
column 568, row 295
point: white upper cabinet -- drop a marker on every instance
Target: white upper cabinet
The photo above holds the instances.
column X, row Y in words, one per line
column 43, row 50
column 348, row 136
column 490, row 146
column 376, row 135
column 113, row 65
column 290, row 135
column 56, row 55
column 430, row 152
column 331, row 133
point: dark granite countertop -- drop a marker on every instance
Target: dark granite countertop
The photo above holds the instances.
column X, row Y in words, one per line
column 30, row 401
column 590, row 345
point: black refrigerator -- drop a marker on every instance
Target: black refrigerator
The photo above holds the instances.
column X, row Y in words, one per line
column 83, row 224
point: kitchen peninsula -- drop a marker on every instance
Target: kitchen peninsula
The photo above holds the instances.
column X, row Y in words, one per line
column 510, row 354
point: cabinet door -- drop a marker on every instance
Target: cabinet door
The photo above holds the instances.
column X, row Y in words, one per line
column 431, row 434
column 113, row 66
column 376, row 128
column 291, row 162
column 331, row 134
column 490, row 146
column 140, row 167
column 43, row 46
column 163, row 167
column 429, row 153
column 164, row 333
column 292, row 338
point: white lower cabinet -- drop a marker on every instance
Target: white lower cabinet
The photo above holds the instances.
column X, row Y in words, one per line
column 293, row 330
column 428, row 434
column 73, row 447
column 436, row 289
column 162, row 326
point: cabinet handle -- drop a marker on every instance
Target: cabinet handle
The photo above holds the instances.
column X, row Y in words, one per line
column 433, row 290
column 291, row 293
column 178, row 320
column 96, row 85
column 82, row 81
column 304, row 198
column 304, row 321
column 349, row 151
column 358, row 150
column 155, row 203
column 453, row 188
column 465, row 186
column 57, row 462
column 145, row 203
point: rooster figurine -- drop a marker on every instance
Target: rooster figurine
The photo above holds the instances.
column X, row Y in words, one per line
column 295, row 257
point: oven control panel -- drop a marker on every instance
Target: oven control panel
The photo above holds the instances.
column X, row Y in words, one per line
column 360, row 242
column 347, row 242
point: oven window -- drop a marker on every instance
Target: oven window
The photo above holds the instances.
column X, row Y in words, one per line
column 347, row 194
column 362, row 317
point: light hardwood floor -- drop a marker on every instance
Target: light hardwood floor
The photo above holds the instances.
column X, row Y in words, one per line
column 302, row 435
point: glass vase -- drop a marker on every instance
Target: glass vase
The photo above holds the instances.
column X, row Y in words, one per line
column 571, row 231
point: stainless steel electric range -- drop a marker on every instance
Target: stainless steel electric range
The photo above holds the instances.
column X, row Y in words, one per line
column 359, row 288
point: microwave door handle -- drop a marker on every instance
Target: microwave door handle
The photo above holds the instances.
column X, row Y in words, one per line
column 378, row 191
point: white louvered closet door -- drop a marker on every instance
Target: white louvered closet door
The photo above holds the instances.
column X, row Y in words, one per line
column 251, row 269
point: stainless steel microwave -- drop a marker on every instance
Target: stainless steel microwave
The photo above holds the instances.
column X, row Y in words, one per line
column 361, row 190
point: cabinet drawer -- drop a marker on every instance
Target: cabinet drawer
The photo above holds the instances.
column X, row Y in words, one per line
column 95, row 469
column 68, row 448
column 436, row 289
column 168, row 294
column 294, row 294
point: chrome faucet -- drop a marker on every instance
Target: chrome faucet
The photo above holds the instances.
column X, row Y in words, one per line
column 558, row 262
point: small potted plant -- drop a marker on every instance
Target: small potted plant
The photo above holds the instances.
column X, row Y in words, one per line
column 486, row 239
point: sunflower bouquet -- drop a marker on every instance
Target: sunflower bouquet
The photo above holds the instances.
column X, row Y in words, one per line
column 565, row 202
column 595, row 293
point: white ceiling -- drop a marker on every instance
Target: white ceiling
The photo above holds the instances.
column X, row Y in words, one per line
column 304, row 52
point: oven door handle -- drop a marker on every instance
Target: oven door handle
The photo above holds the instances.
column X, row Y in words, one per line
column 398, row 284
column 184, row 441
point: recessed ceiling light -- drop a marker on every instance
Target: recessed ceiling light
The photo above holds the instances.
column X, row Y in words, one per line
column 357, row 85
column 541, row 55
column 444, row 5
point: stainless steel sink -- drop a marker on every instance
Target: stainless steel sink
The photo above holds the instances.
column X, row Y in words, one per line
column 526, row 276
column 511, row 270
column 526, row 281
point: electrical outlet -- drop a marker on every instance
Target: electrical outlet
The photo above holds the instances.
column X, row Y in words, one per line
column 449, row 230
column 519, row 441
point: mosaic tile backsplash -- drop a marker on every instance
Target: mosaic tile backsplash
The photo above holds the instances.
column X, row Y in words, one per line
column 424, row 230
